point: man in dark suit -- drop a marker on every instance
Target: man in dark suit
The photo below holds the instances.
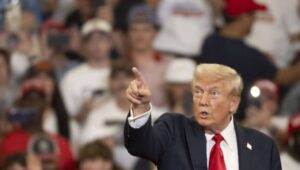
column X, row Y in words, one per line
column 210, row 140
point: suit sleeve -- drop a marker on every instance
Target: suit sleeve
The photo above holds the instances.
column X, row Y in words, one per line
column 149, row 142
column 276, row 163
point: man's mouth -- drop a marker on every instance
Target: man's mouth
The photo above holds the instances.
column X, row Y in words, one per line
column 203, row 114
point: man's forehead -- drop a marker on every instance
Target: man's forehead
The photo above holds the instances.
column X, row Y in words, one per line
column 217, row 84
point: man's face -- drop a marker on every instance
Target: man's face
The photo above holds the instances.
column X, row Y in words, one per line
column 96, row 164
column 141, row 36
column 247, row 22
column 98, row 45
column 213, row 104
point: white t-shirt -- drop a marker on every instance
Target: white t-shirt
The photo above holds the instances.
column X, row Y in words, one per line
column 80, row 83
column 272, row 29
column 110, row 114
column 184, row 26
column 289, row 163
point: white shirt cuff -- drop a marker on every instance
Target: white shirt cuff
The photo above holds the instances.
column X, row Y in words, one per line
column 138, row 121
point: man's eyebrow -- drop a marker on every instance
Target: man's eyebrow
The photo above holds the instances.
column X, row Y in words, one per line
column 197, row 87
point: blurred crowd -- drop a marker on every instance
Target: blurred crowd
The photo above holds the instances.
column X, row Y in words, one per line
column 65, row 66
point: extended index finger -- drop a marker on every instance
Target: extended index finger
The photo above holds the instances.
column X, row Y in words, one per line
column 138, row 75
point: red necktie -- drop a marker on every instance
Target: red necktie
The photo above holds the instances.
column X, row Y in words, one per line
column 216, row 159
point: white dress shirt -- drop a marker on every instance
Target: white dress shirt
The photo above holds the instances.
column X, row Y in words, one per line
column 228, row 145
column 138, row 121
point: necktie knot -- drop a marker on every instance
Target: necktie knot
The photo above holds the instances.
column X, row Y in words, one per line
column 218, row 138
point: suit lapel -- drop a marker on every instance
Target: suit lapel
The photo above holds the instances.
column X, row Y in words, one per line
column 243, row 149
column 196, row 145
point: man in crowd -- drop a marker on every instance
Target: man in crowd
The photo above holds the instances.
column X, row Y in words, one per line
column 86, row 86
column 276, row 31
column 26, row 118
column 90, row 78
column 184, row 26
column 142, row 29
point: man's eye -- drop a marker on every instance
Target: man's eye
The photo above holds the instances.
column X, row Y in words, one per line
column 214, row 93
column 197, row 92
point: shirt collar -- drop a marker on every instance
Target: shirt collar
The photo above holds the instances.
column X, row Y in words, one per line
column 228, row 134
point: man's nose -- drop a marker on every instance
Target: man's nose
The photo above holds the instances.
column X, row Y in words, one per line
column 204, row 100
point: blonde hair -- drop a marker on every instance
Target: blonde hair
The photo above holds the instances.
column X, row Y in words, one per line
column 218, row 72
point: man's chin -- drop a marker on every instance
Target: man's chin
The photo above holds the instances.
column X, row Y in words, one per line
column 205, row 123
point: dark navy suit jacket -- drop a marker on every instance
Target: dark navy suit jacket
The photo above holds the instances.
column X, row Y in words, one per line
column 175, row 142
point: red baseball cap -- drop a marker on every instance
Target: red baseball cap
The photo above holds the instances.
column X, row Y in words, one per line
column 52, row 24
column 238, row 7
column 294, row 124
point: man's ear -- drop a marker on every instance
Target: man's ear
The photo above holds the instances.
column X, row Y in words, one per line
column 234, row 103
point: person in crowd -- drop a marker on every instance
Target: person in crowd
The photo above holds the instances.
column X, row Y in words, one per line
column 211, row 139
column 83, row 11
column 96, row 156
column 113, row 112
column 142, row 29
column 56, row 119
column 262, row 111
column 26, row 118
column 28, row 27
column 86, row 86
column 22, row 56
column 184, row 26
column 33, row 89
column 55, row 42
column 276, row 31
column 291, row 158
column 89, row 79
column 178, row 79
column 262, row 106
column 21, row 39
column 227, row 47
